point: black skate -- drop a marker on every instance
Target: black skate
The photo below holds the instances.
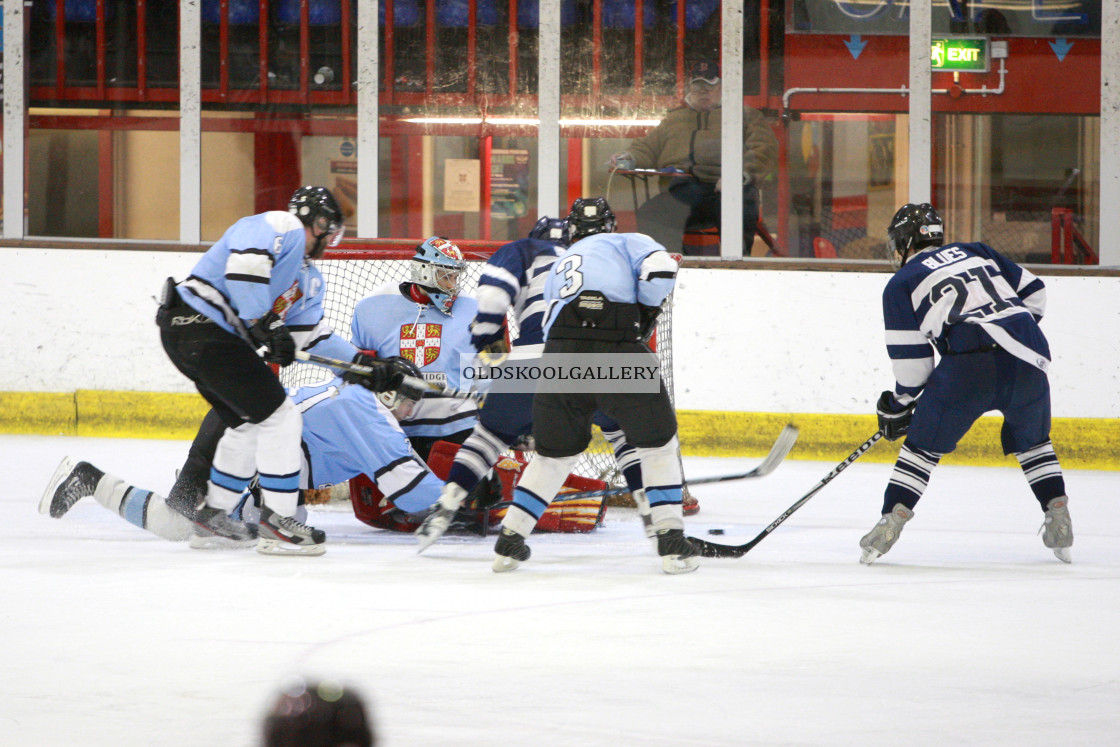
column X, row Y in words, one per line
column 678, row 554
column 69, row 484
column 215, row 530
column 285, row 535
column 511, row 551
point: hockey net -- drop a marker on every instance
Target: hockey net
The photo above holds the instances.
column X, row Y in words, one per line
column 352, row 273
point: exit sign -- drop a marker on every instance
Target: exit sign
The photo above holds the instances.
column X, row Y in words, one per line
column 963, row 54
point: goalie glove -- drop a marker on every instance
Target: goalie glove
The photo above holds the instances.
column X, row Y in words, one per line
column 894, row 418
column 270, row 333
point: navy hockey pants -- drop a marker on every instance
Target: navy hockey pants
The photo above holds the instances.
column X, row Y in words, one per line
column 964, row 387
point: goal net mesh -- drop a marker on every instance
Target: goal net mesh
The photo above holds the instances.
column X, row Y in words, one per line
column 351, row 274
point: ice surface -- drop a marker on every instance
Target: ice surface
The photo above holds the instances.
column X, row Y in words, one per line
column 969, row 631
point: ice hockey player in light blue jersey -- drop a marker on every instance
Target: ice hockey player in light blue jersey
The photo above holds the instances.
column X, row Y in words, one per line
column 604, row 293
column 512, row 280
column 347, row 431
column 979, row 311
column 258, row 267
column 256, row 290
column 618, row 265
column 427, row 321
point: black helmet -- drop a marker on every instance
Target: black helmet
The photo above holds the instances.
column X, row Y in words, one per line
column 913, row 228
column 554, row 230
column 317, row 713
column 589, row 215
column 317, row 209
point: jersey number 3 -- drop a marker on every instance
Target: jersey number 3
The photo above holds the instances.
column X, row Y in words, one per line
column 570, row 270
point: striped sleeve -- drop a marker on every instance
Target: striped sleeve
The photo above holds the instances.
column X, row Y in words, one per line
column 909, row 349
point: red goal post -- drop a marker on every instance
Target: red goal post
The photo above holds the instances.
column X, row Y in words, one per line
column 355, row 268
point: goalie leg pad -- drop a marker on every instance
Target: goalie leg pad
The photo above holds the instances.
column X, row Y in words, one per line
column 543, row 477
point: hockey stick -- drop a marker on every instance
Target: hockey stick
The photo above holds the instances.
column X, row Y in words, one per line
column 713, row 550
column 782, row 446
column 411, row 382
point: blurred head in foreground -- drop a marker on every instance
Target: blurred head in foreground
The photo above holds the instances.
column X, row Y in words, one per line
column 313, row 713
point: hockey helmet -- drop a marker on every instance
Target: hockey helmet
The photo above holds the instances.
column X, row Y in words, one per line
column 913, row 228
column 437, row 268
column 400, row 401
column 590, row 215
column 309, row 712
column 554, row 230
column 317, row 209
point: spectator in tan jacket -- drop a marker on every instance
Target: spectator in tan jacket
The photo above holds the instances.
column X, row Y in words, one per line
column 688, row 140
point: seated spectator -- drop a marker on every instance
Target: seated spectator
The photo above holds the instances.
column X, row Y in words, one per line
column 687, row 142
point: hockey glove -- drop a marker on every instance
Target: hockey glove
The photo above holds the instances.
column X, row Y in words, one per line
column 648, row 321
column 385, row 374
column 893, row 422
column 270, row 333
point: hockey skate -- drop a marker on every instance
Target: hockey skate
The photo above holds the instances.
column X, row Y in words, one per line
column 437, row 522
column 678, row 554
column 883, row 535
column 511, row 551
column 69, row 484
column 215, row 530
column 285, row 535
column 1057, row 528
column 433, row 527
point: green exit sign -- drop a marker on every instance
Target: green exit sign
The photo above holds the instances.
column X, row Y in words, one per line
column 963, row 54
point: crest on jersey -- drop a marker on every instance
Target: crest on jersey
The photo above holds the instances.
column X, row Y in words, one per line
column 420, row 343
column 446, row 248
column 287, row 300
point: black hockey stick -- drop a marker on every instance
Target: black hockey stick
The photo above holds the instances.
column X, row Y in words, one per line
column 782, row 446
column 410, row 382
column 713, row 550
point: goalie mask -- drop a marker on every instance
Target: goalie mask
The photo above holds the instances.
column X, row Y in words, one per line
column 913, row 228
column 554, row 230
column 317, row 209
column 437, row 268
column 589, row 215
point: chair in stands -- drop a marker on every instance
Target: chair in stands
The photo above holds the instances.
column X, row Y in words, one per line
column 80, row 17
column 243, row 59
column 528, row 49
column 619, row 44
column 324, row 19
column 408, row 37
column 492, row 49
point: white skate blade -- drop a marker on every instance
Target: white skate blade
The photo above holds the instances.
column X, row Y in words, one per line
column 502, row 564
column 1062, row 554
column 216, row 542
column 64, row 469
column 674, row 564
column 279, row 547
column 870, row 555
column 429, row 532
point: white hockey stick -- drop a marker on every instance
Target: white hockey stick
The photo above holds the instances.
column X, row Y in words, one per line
column 411, row 382
column 782, row 446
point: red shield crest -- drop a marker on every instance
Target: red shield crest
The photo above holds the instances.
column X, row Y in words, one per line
column 420, row 343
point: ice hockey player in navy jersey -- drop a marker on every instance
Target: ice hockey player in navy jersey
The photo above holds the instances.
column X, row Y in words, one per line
column 979, row 311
